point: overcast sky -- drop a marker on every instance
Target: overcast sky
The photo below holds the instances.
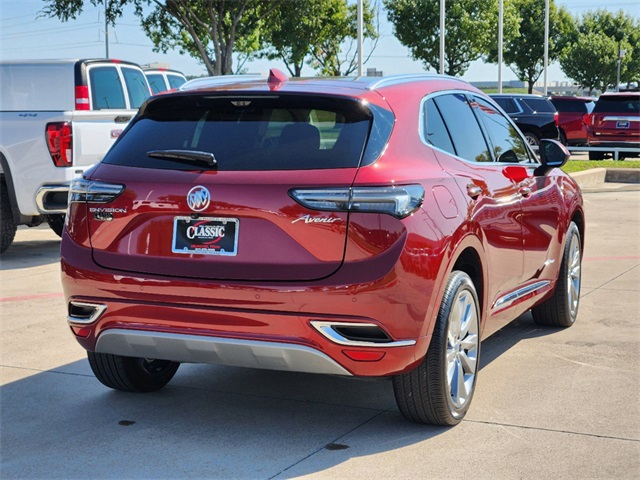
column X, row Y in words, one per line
column 25, row 35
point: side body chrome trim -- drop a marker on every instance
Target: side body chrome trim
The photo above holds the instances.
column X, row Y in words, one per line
column 511, row 297
column 217, row 350
column 326, row 329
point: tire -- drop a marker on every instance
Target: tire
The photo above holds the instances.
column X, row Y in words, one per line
column 431, row 392
column 596, row 155
column 532, row 139
column 129, row 374
column 56, row 223
column 561, row 309
column 7, row 225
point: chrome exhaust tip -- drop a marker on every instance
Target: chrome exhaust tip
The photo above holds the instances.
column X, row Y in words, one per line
column 84, row 313
column 358, row 334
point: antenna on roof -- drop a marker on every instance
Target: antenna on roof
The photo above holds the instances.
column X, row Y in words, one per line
column 276, row 78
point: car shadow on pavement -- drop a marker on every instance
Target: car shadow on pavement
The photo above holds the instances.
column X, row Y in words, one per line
column 30, row 253
column 209, row 422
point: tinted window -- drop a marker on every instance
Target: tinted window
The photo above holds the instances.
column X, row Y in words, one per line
column 136, row 86
column 435, row 130
column 106, row 89
column 508, row 105
column 571, row 106
column 625, row 104
column 270, row 133
column 464, row 128
column 507, row 144
column 156, row 82
column 175, row 81
column 539, row 105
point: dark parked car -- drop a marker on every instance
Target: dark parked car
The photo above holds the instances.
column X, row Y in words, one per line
column 535, row 115
column 614, row 122
column 360, row 227
column 571, row 112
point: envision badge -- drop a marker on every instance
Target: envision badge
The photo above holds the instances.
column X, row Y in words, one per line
column 198, row 198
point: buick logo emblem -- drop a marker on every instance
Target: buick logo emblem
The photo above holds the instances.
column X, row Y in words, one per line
column 198, row 198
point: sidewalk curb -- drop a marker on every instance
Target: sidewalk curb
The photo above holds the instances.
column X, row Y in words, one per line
column 608, row 179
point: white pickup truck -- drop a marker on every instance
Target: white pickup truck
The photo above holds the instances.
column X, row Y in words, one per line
column 57, row 118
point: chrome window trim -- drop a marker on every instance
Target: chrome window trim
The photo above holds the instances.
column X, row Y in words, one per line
column 421, row 130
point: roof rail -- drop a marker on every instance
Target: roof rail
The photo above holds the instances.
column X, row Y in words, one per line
column 410, row 77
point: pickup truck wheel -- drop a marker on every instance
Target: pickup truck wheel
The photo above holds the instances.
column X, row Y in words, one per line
column 7, row 225
column 561, row 309
column 56, row 223
column 439, row 390
column 129, row 374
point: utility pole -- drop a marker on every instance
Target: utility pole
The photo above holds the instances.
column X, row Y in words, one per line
column 620, row 55
column 360, row 41
column 106, row 30
column 546, row 44
column 500, row 35
column 442, row 37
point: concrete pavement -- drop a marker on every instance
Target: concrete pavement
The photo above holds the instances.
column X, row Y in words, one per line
column 550, row 403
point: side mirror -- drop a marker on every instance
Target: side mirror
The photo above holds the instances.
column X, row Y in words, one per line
column 552, row 155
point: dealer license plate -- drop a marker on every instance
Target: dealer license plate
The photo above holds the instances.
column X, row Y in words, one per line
column 205, row 235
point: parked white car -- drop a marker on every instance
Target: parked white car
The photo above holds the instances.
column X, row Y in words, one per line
column 162, row 79
column 57, row 118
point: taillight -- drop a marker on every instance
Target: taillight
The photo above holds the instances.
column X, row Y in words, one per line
column 400, row 201
column 83, row 190
column 59, row 141
column 555, row 118
column 82, row 98
column 588, row 119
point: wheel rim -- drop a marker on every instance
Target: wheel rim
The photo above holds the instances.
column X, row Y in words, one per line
column 531, row 140
column 573, row 276
column 155, row 367
column 462, row 348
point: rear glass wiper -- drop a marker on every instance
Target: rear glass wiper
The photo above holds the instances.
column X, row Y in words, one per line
column 185, row 155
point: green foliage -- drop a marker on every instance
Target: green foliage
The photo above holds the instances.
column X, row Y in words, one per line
column 573, row 166
column 334, row 50
column 590, row 55
column 525, row 54
column 471, row 30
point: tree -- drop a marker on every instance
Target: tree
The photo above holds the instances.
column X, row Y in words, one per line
column 471, row 30
column 591, row 61
column 290, row 32
column 334, row 51
column 525, row 54
column 624, row 30
column 210, row 30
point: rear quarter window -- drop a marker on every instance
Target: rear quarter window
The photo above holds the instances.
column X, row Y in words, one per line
column 156, row 82
column 539, row 105
column 291, row 132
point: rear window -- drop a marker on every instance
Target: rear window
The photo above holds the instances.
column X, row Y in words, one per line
column 106, row 89
column 289, row 132
column 573, row 106
column 137, row 86
column 539, row 105
column 624, row 104
column 156, row 82
column 175, row 81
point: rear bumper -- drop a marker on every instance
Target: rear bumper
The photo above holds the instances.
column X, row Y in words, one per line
column 271, row 326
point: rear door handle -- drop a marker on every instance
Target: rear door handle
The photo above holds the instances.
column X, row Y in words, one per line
column 474, row 191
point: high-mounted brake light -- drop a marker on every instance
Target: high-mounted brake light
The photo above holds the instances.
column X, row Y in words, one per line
column 398, row 201
column 90, row 191
column 60, row 143
column 82, row 98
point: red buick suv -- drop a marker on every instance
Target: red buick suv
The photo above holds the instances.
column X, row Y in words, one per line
column 360, row 227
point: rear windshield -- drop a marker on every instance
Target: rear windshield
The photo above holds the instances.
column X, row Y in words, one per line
column 539, row 105
column 573, row 106
column 156, row 82
column 288, row 132
column 175, row 81
column 625, row 104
